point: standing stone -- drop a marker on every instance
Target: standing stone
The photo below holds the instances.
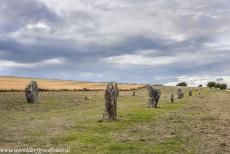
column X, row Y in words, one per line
column 111, row 94
column 117, row 94
column 134, row 93
column 150, row 98
column 116, row 88
column 180, row 93
column 31, row 92
column 190, row 92
column 153, row 96
column 158, row 97
column 172, row 97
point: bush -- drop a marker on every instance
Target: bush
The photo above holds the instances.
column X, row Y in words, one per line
column 182, row 84
column 211, row 84
column 223, row 86
column 200, row 85
column 217, row 85
column 85, row 89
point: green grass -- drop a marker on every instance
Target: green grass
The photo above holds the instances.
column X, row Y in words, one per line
column 66, row 119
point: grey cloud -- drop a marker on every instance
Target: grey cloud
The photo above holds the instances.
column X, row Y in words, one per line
column 14, row 14
column 89, row 31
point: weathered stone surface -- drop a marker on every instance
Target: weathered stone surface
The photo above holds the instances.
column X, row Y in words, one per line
column 31, row 92
column 117, row 94
column 116, row 88
column 150, row 99
column 153, row 96
column 134, row 93
column 111, row 94
column 180, row 94
column 158, row 97
column 172, row 97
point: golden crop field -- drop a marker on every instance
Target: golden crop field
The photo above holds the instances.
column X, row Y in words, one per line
column 19, row 83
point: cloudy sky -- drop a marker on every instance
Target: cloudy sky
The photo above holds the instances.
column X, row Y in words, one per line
column 123, row 40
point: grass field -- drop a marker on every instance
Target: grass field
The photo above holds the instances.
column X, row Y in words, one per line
column 19, row 83
column 197, row 124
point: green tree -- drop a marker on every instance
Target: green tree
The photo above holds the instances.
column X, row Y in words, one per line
column 218, row 85
column 182, row 84
column 223, row 86
column 211, row 84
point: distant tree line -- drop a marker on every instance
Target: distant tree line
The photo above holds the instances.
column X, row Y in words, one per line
column 216, row 85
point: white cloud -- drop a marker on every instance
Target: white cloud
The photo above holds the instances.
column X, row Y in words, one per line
column 107, row 22
column 121, row 19
column 138, row 60
column 54, row 61
column 39, row 26
column 12, row 64
column 193, row 58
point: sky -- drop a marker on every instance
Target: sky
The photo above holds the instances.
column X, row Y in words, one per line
column 142, row 41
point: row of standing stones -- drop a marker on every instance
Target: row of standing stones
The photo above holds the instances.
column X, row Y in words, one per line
column 110, row 96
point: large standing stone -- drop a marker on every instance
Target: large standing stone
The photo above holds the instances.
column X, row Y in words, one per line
column 111, row 94
column 180, row 93
column 31, row 92
column 153, row 96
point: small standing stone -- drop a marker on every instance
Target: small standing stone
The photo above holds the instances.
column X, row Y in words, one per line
column 153, row 96
column 190, row 92
column 134, row 93
column 172, row 98
column 31, row 92
column 180, row 93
